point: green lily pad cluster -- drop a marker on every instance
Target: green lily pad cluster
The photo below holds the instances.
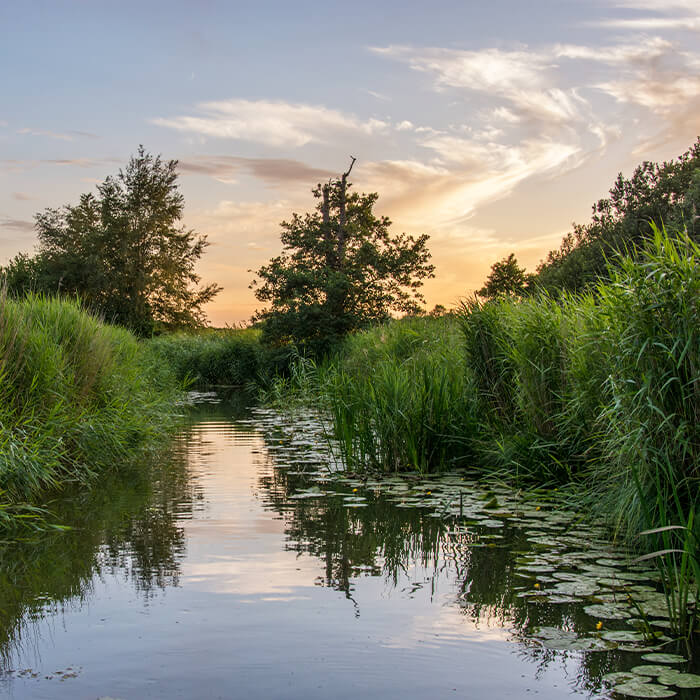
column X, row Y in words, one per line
column 563, row 558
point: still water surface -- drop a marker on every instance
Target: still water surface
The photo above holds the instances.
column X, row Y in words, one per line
column 205, row 579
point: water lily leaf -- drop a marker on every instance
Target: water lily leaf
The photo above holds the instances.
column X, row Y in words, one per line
column 609, row 562
column 579, row 588
column 491, row 523
column 644, row 690
column 682, row 680
column 668, row 676
column 608, row 611
column 581, row 644
column 650, row 670
column 624, row 636
column 623, row 677
column 665, row 658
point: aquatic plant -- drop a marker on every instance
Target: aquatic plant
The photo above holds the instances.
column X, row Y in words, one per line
column 398, row 397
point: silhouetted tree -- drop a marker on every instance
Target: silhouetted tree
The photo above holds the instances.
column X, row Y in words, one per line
column 660, row 194
column 506, row 279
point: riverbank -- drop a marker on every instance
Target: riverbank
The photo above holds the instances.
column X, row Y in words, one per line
column 78, row 398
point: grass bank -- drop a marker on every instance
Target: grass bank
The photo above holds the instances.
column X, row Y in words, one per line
column 77, row 398
column 600, row 390
column 230, row 357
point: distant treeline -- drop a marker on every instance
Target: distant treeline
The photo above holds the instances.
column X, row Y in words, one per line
column 656, row 195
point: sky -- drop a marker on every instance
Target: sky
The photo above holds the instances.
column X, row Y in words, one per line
column 489, row 126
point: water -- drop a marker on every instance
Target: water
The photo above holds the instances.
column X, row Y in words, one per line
column 204, row 578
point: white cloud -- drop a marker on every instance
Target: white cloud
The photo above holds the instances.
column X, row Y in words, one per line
column 273, row 123
column 642, row 24
column 521, row 78
column 58, row 135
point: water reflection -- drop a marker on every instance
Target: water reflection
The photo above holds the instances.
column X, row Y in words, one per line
column 206, row 569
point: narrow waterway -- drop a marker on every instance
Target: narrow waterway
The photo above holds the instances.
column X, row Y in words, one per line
column 227, row 572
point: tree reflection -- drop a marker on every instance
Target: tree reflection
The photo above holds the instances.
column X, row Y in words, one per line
column 412, row 550
column 128, row 523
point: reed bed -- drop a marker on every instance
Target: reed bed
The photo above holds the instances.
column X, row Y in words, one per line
column 77, row 397
column 600, row 390
column 231, row 357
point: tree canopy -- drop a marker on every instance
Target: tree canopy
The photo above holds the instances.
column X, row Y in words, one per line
column 506, row 279
column 340, row 270
column 123, row 251
column 656, row 194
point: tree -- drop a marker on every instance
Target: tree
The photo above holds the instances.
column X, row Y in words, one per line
column 659, row 194
column 124, row 251
column 340, row 270
column 506, row 279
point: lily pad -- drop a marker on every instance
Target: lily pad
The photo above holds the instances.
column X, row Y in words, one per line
column 624, row 636
column 607, row 611
column 619, row 677
column 649, row 670
column 581, row 588
column 581, row 644
column 683, row 680
column 643, row 690
column 665, row 658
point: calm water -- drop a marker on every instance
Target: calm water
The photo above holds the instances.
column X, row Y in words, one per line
column 205, row 579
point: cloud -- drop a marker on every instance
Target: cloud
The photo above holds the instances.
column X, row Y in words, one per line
column 685, row 15
column 59, row 135
column 273, row 171
column 659, row 5
column 272, row 123
column 22, row 196
column 378, row 95
column 17, row 224
column 641, row 53
column 521, row 78
column 17, row 165
column 442, row 197
column 643, row 24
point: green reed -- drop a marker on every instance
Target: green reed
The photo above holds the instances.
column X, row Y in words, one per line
column 77, row 397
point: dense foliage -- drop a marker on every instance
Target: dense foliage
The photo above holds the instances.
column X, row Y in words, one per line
column 230, row 357
column 506, row 279
column 341, row 270
column 599, row 388
column 665, row 194
column 123, row 252
column 77, row 398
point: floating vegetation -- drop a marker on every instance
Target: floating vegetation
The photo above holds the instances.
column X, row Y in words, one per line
column 642, row 689
column 562, row 564
column 665, row 658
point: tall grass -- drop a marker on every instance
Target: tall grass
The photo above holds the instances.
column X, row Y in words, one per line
column 650, row 474
column 398, row 397
column 231, row 357
column 601, row 389
column 77, row 397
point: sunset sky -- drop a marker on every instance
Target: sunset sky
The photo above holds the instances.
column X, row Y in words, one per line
column 490, row 126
